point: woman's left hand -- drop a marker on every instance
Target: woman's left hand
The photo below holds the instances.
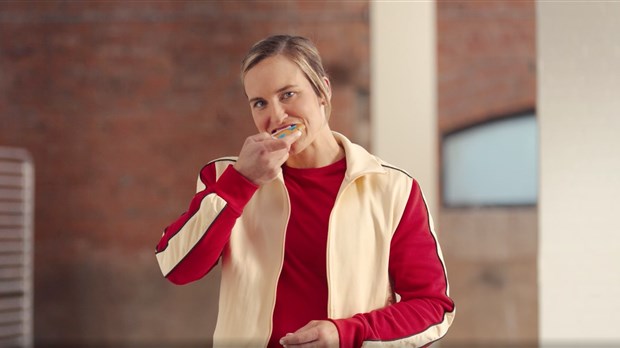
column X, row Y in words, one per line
column 317, row 333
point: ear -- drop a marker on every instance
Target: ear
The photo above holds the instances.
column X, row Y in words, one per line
column 328, row 88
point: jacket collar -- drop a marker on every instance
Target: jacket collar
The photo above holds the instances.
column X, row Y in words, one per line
column 359, row 161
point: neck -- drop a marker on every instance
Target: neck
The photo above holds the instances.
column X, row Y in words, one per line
column 323, row 151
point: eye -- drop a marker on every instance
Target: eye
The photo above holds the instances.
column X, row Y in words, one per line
column 259, row 104
column 287, row 95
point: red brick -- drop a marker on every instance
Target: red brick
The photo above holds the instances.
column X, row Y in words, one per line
column 486, row 60
column 120, row 104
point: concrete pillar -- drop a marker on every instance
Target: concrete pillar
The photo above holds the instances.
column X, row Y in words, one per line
column 579, row 115
column 403, row 90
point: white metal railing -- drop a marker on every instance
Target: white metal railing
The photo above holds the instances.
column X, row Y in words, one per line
column 16, row 247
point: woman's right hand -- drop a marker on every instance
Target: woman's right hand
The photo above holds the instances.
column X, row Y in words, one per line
column 262, row 156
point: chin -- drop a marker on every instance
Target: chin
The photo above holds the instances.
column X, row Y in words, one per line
column 295, row 149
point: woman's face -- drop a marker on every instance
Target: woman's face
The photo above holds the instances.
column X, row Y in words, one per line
column 279, row 95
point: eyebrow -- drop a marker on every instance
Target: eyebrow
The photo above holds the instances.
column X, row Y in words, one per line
column 278, row 91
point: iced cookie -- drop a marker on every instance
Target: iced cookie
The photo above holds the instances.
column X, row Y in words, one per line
column 282, row 132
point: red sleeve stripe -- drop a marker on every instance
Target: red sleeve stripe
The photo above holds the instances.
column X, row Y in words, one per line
column 182, row 242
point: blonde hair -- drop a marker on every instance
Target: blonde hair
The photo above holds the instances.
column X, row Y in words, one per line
column 300, row 51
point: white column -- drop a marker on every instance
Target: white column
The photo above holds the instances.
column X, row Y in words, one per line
column 579, row 208
column 403, row 90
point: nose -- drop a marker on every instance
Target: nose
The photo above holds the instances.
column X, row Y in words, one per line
column 277, row 114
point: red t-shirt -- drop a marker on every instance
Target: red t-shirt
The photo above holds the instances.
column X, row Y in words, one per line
column 302, row 286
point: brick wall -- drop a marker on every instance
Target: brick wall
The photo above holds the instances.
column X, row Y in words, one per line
column 487, row 69
column 486, row 60
column 120, row 104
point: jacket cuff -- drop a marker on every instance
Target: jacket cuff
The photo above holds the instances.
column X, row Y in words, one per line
column 235, row 189
column 350, row 331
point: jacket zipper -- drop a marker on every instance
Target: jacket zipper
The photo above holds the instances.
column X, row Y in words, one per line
column 275, row 292
column 329, row 229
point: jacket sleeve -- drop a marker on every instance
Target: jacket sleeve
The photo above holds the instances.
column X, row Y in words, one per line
column 416, row 267
column 192, row 245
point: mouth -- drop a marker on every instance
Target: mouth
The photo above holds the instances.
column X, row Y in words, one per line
column 285, row 130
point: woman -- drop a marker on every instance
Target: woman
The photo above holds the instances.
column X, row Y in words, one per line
column 316, row 236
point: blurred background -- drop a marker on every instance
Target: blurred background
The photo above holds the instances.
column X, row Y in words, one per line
column 506, row 111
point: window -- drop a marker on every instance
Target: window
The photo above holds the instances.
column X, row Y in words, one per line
column 16, row 259
column 494, row 163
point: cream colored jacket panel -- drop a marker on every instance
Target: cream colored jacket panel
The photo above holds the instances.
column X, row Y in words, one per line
column 365, row 215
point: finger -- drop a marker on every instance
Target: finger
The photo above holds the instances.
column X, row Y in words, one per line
column 279, row 158
column 262, row 136
column 295, row 340
column 273, row 145
column 287, row 141
column 313, row 344
column 301, row 337
column 311, row 324
column 292, row 137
